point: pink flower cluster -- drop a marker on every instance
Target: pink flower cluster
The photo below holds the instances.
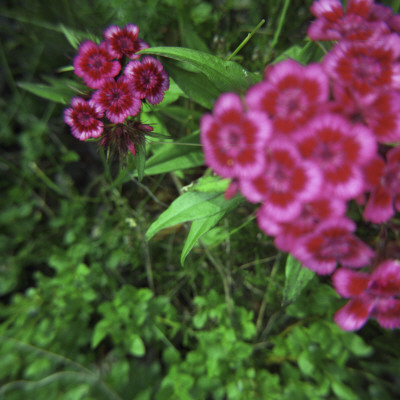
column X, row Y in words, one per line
column 121, row 81
column 308, row 140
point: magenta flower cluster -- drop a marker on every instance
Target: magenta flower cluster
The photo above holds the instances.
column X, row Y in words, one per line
column 308, row 140
column 119, row 81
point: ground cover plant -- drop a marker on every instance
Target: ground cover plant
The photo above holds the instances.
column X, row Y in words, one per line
column 199, row 200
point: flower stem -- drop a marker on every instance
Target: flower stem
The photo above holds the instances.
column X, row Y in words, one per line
column 249, row 36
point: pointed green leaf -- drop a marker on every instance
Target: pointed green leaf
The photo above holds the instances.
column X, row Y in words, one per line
column 175, row 156
column 297, row 278
column 202, row 226
column 189, row 206
column 225, row 75
column 136, row 345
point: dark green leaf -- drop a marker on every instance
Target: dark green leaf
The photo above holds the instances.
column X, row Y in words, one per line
column 225, row 75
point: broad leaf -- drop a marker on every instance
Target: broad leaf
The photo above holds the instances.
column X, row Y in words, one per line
column 194, row 84
column 225, row 75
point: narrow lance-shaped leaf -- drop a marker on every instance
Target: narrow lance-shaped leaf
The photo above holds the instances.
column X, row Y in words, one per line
column 188, row 207
column 202, row 226
column 297, row 278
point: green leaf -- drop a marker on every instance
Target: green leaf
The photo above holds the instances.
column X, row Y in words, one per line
column 59, row 90
column 194, row 84
column 189, row 37
column 175, row 156
column 140, row 159
column 100, row 332
column 188, row 207
column 304, row 55
column 225, row 75
column 211, row 184
column 72, row 37
column 297, row 278
column 343, row 392
column 201, row 226
column 136, row 346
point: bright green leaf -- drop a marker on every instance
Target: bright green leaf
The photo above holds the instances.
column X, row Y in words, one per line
column 343, row 392
column 101, row 330
column 188, row 207
column 136, row 345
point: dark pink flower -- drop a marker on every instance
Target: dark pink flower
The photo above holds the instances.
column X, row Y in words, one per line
column 84, row 118
column 285, row 184
column 379, row 111
column 94, row 64
column 384, row 198
column 290, row 94
column 117, row 99
column 366, row 67
column 385, row 14
column 372, row 295
column 233, row 140
column 125, row 41
column 148, row 79
column 333, row 23
column 340, row 149
column 312, row 214
column 332, row 242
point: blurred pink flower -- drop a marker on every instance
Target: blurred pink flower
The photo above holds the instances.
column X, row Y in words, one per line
column 285, row 184
column 234, row 141
column 372, row 296
column 355, row 23
column 340, row 149
column 290, row 94
column 332, row 242
column 384, row 198
column 365, row 67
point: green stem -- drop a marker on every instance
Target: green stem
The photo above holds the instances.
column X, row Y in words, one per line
column 279, row 28
column 248, row 37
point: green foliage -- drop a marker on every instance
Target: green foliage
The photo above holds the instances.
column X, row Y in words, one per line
column 143, row 282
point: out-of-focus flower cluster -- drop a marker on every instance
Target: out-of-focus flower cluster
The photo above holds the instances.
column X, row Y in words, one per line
column 308, row 140
column 119, row 80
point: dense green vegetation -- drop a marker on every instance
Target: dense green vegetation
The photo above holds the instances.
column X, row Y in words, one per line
column 89, row 308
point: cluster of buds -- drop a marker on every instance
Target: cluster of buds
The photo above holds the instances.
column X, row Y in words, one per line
column 119, row 81
column 308, row 140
